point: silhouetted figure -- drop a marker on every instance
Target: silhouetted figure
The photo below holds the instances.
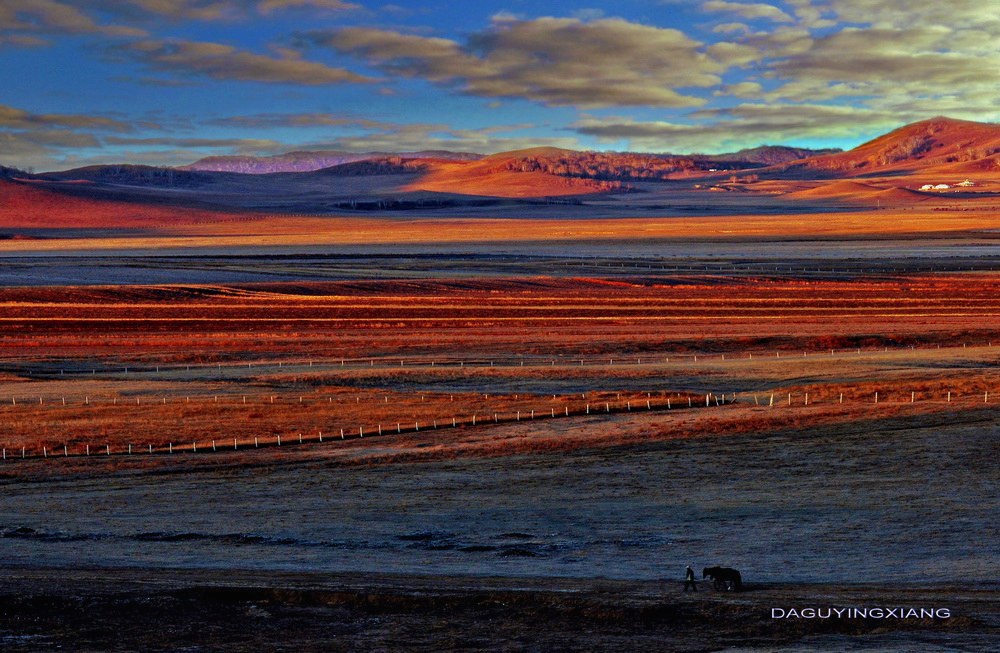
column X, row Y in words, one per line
column 689, row 579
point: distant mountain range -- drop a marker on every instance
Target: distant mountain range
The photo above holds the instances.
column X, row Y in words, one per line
column 306, row 161
column 309, row 161
column 892, row 169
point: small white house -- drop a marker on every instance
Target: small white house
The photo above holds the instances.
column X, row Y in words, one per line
column 942, row 187
column 927, row 187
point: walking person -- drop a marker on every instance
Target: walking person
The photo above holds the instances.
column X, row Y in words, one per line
column 689, row 579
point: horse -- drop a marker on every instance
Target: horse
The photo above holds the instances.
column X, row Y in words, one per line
column 723, row 578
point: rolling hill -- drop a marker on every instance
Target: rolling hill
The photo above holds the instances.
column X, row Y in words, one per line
column 886, row 171
column 936, row 146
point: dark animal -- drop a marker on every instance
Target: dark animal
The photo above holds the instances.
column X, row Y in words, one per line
column 723, row 578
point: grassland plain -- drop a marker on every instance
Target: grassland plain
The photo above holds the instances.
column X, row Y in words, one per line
column 850, row 460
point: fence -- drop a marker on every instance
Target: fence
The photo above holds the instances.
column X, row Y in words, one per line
column 397, row 362
column 686, row 402
column 596, row 408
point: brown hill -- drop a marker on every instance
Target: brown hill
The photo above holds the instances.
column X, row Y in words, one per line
column 36, row 205
column 499, row 176
column 852, row 192
column 938, row 145
column 835, row 190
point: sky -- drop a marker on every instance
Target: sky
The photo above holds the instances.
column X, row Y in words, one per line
column 165, row 82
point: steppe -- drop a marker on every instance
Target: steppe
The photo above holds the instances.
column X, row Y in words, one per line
column 499, row 422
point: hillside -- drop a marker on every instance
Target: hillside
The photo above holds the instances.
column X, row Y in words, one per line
column 39, row 205
column 767, row 155
column 936, row 146
column 619, row 166
column 891, row 170
column 504, row 176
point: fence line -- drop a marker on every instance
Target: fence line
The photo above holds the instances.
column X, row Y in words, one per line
column 678, row 402
column 362, row 431
column 369, row 362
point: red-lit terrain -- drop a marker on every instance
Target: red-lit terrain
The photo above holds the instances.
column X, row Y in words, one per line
column 427, row 399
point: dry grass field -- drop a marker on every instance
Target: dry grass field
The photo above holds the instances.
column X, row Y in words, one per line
column 196, row 368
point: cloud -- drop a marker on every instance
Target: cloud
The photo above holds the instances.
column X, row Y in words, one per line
column 746, row 125
column 750, row 10
column 921, row 67
column 21, row 41
column 21, row 21
column 283, row 120
column 267, row 6
column 913, row 13
column 220, row 61
column 730, row 28
column 556, row 61
column 921, row 58
column 416, row 137
column 237, row 145
column 41, row 148
column 208, row 10
column 14, row 118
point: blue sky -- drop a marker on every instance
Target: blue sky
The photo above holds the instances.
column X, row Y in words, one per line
column 166, row 82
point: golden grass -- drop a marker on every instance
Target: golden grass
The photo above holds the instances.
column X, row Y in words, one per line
column 336, row 230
